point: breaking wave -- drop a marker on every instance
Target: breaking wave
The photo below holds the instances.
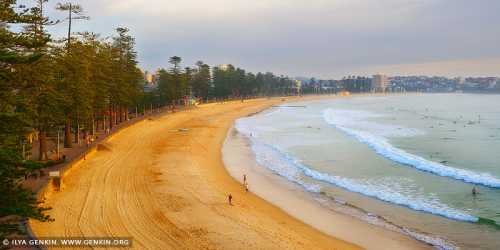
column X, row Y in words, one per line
column 285, row 165
column 350, row 123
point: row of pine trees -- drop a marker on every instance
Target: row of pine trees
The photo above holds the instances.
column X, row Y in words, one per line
column 216, row 83
column 84, row 84
column 47, row 85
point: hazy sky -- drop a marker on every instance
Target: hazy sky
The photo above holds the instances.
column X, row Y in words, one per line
column 321, row 38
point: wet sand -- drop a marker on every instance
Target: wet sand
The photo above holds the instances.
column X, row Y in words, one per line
column 239, row 159
column 163, row 183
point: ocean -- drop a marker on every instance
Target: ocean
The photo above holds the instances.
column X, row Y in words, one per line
column 404, row 162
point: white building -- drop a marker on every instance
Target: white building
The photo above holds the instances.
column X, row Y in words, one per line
column 149, row 77
column 379, row 83
column 297, row 86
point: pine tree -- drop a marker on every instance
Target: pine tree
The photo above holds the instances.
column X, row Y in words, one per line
column 17, row 50
column 74, row 13
column 127, row 77
column 200, row 84
column 176, row 77
column 38, row 90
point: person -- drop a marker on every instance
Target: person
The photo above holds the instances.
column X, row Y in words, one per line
column 474, row 191
column 245, row 183
column 230, row 199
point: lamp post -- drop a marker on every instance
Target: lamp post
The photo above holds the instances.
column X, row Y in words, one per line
column 58, row 152
column 58, row 147
column 24, row 151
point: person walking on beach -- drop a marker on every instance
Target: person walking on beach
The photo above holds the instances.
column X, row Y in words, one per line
column 245, row 183
column 230, row 199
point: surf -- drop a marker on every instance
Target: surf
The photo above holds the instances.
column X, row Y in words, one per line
column 285, row 165
column 381, row 146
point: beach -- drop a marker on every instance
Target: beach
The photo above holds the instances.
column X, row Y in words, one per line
column 163, row 183
column 406, row 163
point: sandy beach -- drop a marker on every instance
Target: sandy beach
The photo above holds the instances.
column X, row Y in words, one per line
column 162, row 182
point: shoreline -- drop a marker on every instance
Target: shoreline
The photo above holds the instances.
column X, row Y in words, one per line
column 162, row 182
column 304, row 205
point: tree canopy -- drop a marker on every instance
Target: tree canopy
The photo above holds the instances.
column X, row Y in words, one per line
column 84, row 84
column 45, row 86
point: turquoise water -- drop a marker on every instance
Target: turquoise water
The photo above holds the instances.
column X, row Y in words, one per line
column 404, row 160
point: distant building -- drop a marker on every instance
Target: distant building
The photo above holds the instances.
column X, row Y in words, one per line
column 356, row 84
column 297, row 86
column 150, row 82
column 224, row 67
column 148, row 77
column 380, row 83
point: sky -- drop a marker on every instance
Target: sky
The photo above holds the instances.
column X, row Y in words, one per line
column 312, row 38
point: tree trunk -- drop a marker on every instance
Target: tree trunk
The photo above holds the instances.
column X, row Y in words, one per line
column 110, row 118
column 115, row 115
column 92, row 132
column 120, row 110
column 42, row 153
column 85, row 135
column 97, row 125
column 77, row 133
column 67, row 134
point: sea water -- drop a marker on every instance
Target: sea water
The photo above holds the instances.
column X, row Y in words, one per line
column 404, row 162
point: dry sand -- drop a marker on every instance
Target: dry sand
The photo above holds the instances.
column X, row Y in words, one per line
column 163, row 183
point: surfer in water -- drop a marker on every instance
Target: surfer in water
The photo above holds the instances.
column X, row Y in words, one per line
column 474, row 191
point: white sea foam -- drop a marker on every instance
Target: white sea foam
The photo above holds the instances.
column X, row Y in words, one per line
column 434, row 240
column 351, row 123
column 430, row 239
column 292, row 169
column 282, row 163
column 273, row 111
